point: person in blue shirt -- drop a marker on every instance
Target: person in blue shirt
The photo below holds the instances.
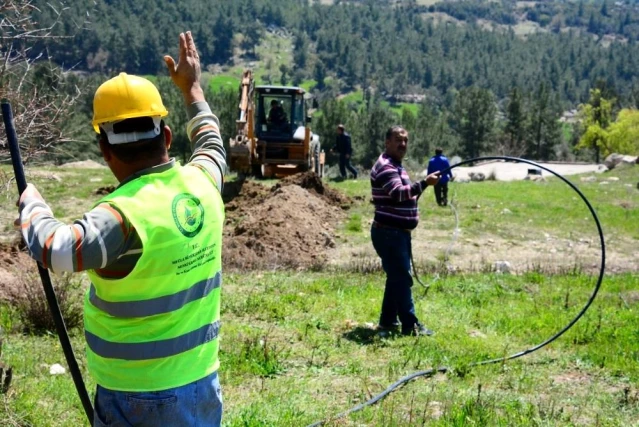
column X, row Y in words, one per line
column 438, row 163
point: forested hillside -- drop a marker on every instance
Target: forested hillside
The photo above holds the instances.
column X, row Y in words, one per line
column 399, row 50
column 515, row 65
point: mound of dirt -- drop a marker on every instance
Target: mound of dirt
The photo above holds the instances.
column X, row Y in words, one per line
column 313, row 183
column 13, row 259
column 286, row 226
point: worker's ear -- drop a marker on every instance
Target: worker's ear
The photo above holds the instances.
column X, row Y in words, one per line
column 168, row 137
column 105, row 149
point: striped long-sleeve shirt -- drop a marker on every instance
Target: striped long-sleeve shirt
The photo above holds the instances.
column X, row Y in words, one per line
column 104, row 240
column 394, row 196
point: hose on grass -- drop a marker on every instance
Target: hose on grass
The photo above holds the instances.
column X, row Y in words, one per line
column 430, row 372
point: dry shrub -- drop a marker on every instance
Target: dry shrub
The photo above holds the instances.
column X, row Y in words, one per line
column 31, row 305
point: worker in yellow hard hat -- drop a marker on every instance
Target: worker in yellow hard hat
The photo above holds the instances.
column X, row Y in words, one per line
column 152, row 249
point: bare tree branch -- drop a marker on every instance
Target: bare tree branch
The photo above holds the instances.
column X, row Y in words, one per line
column 39, row 110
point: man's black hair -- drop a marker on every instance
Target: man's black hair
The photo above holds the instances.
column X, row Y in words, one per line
column 394, row 130
column 135, row 151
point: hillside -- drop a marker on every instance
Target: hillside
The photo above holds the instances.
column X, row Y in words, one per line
column 475, row 78
column 396, row 47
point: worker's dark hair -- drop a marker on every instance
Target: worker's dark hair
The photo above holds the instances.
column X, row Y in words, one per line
column 394, row 130
column 438, row 150
column 274, row 102
column 134, row 151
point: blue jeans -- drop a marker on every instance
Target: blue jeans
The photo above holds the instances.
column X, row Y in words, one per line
column 196, row 404
column 394, row 248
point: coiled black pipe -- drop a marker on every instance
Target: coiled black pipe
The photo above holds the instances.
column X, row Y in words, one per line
column 433, row 371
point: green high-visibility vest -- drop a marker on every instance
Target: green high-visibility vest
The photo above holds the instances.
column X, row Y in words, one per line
column 157, row 328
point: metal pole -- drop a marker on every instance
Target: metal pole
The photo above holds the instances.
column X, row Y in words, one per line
column 16, row 160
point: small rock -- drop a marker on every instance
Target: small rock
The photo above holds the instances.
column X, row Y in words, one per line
column 553, row 251
column 95, row 180
column 57, row 369
column 604, row 183
column 476, row 334
column 612, row 178
column 506, row 211
column 369, row 325
column 613, row 160
column 502, row 267
column 588, row 178
column 477, row 176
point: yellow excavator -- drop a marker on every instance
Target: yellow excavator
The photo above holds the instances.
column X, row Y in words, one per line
column 273, row 137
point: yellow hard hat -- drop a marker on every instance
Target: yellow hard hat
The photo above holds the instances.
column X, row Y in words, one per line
column 126, row 97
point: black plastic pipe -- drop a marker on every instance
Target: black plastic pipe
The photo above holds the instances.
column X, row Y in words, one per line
column 16, row 160
column 430, row 372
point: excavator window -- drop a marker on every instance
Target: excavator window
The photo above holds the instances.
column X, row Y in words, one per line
column 274, row 114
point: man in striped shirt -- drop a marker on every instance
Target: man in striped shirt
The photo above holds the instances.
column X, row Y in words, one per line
column 396, row 214
column 162, row 322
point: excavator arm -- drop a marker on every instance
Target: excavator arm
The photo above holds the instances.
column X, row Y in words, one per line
column 242, row 147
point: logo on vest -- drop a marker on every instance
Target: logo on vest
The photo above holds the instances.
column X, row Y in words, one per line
column 188, row 214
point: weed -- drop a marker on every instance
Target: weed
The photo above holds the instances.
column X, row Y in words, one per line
column 32, row 309
column 354, row 223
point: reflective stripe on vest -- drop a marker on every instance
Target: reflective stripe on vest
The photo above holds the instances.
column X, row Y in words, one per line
column 158, row 327
column 159, row 305
column 153, row 349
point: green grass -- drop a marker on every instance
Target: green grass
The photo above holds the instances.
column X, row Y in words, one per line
column 354, row 223
column 307, row 85
column 222, row 82
column 356, row 97
column 297, row 347
column 400, row 106
column 535, row 207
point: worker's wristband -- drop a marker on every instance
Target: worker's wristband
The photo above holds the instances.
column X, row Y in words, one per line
column 424, row 184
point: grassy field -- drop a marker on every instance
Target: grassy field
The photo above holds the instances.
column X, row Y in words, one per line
column 523, row 222
column 297, row 347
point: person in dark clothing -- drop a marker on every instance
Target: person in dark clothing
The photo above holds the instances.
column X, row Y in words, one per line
column 276, row 115
column 396, row 214
column 439, row 163
column 345, row 150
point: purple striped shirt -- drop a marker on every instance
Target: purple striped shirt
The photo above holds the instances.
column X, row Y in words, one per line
column 394, row 196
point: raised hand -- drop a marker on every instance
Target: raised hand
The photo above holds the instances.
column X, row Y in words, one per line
column 187, row 72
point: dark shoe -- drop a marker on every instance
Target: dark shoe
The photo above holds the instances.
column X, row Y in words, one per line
column 417, row 330
column 385, row 331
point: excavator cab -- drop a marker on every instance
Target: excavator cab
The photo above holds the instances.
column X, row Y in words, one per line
column 274, row 136
column 280, row 112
